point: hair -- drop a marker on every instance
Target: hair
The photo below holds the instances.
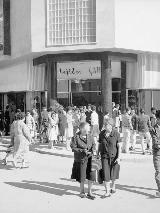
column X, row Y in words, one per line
column 153, row 108
column 109, row 121
column 94, row 108
column 142, row 111
column 83, row 124
column 158, row 114
column 19, row 116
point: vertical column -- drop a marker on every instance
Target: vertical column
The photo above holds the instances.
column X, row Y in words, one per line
column 7, row 35
column 106, row 80
column 51, row 68
column 123, row 86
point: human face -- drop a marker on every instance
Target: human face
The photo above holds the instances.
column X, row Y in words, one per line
column 85, row 130
column 108, row 127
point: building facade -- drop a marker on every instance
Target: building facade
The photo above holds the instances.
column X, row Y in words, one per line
column 80, row 52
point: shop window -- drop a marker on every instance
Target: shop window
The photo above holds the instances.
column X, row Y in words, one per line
column 116, row 84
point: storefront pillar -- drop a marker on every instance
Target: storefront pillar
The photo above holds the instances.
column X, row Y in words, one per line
column 106, row 79
column 123, row 86
column 51, row 81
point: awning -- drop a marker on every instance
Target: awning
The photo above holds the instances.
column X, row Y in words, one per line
column 22, row 77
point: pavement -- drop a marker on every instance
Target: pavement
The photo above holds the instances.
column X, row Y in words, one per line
column 46, row 186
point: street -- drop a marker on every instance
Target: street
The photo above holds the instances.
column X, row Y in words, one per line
column 46, row 187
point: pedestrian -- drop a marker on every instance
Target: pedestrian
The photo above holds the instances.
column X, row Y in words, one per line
column 126, row 130
column 44, row 125
column 109, row 150
column 155, row 133
column 83, row 147
column 116, row 115
column 134, row 119
column 82, row 116
column 153, row 116
column 88, row 114
column 52, row 129
column 7, row 121
column 76, row 118
column 95, row 125
column 69, row 129
column 144, row 127
column 1, row 123
column 30, row 124
column 21, row 136
column 62, row 124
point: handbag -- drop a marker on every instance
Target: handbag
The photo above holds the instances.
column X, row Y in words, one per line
column 96, row 163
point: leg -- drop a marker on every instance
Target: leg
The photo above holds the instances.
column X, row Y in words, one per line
column 127, row 144
column 149, row 140
column 133, row 139
column 124, row 139
column 82, row 191
column 113, row 186
column 156, row 162
column 90, row 185
column 107, row 188
column 68, row 141
column 142, row 142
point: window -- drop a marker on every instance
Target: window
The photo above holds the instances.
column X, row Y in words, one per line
column 1, row 25
column 71, row 22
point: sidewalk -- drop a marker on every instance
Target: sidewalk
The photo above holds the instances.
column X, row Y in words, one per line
column 60, row 150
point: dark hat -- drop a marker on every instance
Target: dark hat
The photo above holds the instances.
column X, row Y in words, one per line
column 153, row 108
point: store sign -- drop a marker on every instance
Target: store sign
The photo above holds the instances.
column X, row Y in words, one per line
column 79, row 70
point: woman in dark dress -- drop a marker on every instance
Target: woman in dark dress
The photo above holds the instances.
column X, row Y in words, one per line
column 83, row 147
column 109, row 149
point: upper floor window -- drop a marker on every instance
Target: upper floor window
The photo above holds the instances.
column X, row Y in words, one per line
column 71, row 22
column 1, row 25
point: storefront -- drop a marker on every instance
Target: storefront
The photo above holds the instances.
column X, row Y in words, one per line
column 79, row 83
column 87, row 78
column 23, row 86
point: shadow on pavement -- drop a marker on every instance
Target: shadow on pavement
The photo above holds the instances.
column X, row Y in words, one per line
column 39, row 149
column 51, row 188
column 128, row 188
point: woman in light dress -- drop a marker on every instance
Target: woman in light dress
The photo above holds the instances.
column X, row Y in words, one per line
column 30, row 124
column 21, row 137
column 69, row 129
column 53, row 129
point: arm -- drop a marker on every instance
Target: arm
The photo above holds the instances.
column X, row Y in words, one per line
column 74, row 145
column 119, row 146
column 26, row 133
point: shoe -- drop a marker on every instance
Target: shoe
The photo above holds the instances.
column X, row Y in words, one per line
column 143, row 153
column 131, row 148
column 91, row 197
column 113, row 191
column 106, row 195
column 82, row 195
column 158, row 194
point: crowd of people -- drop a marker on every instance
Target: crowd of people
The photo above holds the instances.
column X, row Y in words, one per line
column 88, row 132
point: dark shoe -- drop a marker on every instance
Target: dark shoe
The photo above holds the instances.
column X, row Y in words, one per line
column 143, row 153
column 113, row 191
column 91, row 197
column 82, row 195
column 131, row 148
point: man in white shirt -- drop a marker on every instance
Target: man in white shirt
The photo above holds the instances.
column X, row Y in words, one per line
column 95, row 125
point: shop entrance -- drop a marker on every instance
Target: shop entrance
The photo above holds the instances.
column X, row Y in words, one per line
column 79, row 92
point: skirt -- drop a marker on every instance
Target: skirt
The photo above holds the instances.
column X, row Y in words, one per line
column 52, row 134
column 82, row 171
column 110, row 170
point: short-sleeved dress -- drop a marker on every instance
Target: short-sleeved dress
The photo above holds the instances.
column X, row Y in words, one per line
column 109, row 154
column 21, row 136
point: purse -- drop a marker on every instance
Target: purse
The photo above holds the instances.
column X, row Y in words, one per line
column 96, row 163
